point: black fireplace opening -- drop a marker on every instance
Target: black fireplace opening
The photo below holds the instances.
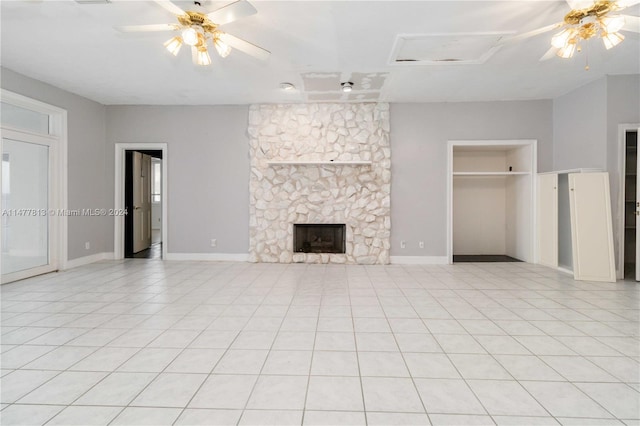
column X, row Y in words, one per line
column 319, row 238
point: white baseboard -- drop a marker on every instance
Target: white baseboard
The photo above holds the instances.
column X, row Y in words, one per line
column 80, row 261
column 219, row 257
column 419, row 260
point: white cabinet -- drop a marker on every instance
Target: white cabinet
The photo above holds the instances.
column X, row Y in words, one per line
column 491, row 198
column 574, row 224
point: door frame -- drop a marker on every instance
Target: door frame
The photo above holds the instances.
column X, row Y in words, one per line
column 622, row 168
column 58, row 179
column 118, row 225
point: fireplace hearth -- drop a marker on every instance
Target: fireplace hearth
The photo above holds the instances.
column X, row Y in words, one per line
column 319, row 238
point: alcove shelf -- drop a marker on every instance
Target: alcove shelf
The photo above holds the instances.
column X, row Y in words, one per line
column 319, row 163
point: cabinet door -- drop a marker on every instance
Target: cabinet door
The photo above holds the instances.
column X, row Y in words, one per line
column 591, row 227
column 547, row 246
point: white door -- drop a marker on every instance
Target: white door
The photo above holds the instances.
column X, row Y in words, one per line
column 26, row 214
column 548, row 220
column 141, row 201
column 591, row 227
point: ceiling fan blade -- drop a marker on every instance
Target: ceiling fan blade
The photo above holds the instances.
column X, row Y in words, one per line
column 623, row 4
column 631, row 23
column 579, row 4
column 550, row 54
column 529, row 34
column 245, row 47
column 231, row 12
column 146, row 28
column 171, row 7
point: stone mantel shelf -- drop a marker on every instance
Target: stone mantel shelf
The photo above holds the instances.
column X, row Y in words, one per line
column 319, row 163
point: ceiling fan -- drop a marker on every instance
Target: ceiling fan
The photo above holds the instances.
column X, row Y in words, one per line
column 585, row 20
column 198, row 28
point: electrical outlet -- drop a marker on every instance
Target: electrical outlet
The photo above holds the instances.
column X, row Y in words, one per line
column 421, row 244
column 87, row 245
column 214, row 242
column 403, row 244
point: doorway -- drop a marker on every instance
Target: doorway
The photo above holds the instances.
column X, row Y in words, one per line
column 143, row 197
column 631, row 207
column 142, row 232
column 33, row 234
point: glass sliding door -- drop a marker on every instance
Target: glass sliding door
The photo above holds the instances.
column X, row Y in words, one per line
column 33, row 181
column 25, row 206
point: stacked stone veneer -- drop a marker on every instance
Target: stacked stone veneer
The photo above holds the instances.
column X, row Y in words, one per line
column 283, row 194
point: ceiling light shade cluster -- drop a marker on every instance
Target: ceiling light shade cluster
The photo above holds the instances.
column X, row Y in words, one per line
column 583, row 24
column 197, row 31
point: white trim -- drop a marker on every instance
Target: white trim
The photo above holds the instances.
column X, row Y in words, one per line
column 319, row 163
column 559, row 172
column 622, row 151
column 58, row 138
column 219, row 257
column 118, row 227
column 419, row 260
column 81, row 261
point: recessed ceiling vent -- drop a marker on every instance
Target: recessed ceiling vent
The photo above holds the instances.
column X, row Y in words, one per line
column 445, row 49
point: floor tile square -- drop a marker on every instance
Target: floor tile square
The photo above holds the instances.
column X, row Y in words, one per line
column 63, row 389
column 271, row 417
column 431, row 365
column 170, row 390
column 382, row 364
column 448, row 396
column 338, row 363
column 241, row 361
column 85, row 416
column 150, row 360
column 324, row 418
column 330, row 341
column 565, row 400
column 279, row 393
column 391, row 394
column 207, row 417
column 506, row 398
column 29, row 414
column 224, row 391
column 116, row 389
column 477, row 366
column 294, row 340
column 523, row 367
column 334, row 394
column 195, row 361
column 288, row 362
column 619, row 399
column 20, row 382
column 139, row 416
column 104, row 359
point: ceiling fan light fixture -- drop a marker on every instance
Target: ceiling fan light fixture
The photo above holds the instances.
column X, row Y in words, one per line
column 190, row 36
column 222, row 47
column 612, row 24
column 612, row 40
column 562, row 38
column 567, row 51
column 173, row 45
column 202, row 57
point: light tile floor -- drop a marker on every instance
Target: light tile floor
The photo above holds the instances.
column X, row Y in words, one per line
column 152, row 342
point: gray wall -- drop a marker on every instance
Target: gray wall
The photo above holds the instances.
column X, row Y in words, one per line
column 586, row 124
column 419, row 135
column 580, row 128
column 208, row 170
column 86, row 160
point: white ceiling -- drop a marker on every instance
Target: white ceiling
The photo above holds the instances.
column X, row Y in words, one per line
column 75, row 47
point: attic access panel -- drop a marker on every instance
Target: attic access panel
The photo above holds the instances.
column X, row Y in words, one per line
column 445, row 48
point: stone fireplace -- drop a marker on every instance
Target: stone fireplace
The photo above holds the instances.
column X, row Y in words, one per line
column 320, row 164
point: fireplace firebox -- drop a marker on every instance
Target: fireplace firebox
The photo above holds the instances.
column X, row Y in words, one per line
column 318, row 238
